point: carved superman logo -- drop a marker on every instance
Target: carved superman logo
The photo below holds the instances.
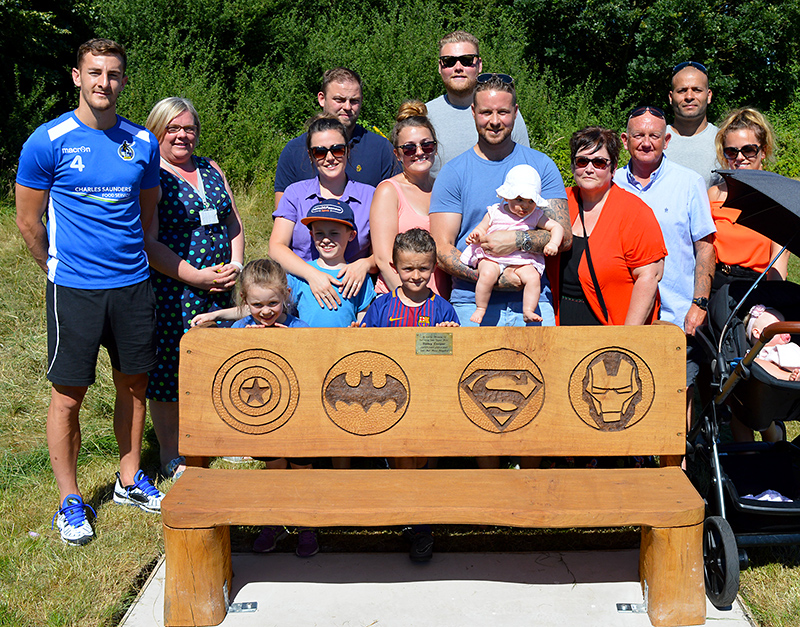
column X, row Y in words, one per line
column 501, row 394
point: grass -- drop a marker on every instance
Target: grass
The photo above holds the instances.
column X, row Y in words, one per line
column 44, row 582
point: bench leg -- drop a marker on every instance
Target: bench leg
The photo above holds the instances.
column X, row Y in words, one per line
column 198, row 575
column 671, row 572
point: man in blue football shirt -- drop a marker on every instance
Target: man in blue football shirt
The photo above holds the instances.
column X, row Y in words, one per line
column 96, row 175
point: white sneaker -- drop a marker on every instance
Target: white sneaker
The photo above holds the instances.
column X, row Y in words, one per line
column 71, row 521
column 143, row 494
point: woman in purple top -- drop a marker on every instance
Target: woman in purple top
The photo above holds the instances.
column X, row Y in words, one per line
column 290, row 243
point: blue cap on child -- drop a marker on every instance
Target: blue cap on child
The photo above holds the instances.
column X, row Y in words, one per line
column 333, row 210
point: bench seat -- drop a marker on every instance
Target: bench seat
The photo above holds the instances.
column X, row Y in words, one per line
column 563, row 498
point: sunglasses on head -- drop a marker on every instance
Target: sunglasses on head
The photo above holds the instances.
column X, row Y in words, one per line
column 488, row 76
column 466, row 60
column 427, row 146
column 598, row 162
column 685, row 64
column 337, row 150
column 748, row 151
column 637, row 111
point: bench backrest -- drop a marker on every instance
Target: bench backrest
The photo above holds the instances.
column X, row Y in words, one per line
column 433, row 392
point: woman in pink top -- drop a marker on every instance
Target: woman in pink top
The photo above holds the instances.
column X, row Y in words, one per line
column 402, row 202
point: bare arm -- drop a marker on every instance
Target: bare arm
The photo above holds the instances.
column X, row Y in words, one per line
column 502, row 243
column 643, row 296
column 233, row 222
column 278, row 196
column 31, row 205
column 479, row 231
column 323, row 286
column 383, row 227
column 780, row 270
column 704, row 266
column 444, row 229
column 163, row 259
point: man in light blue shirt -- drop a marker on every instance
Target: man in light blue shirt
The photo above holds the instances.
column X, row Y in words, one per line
column 467, row 185
column 678, row 198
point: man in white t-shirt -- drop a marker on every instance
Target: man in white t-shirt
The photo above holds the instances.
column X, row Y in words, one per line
column 692, row 143
column 451, row 113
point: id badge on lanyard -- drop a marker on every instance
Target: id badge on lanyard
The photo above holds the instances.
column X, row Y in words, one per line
column 208, row 216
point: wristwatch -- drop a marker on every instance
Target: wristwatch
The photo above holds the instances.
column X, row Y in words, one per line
column 701, row 301
column 527, row 243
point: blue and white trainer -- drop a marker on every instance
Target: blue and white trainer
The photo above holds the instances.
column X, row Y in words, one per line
column 71, row 521
column 142, row 494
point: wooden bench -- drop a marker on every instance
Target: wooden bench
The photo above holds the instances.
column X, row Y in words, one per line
column 437, row 392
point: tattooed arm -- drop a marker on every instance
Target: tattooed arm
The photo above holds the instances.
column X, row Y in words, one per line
column 502, row 243
column 444, row 229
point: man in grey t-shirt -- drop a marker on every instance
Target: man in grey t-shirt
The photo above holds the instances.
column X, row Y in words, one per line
column 692, row 143
column 451, row 113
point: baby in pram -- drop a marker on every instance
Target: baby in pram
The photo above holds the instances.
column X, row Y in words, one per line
column 780, row 357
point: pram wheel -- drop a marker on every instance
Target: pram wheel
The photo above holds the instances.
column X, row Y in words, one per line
column 721, row 562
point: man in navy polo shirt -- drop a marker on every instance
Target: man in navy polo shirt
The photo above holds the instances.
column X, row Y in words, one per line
column 371, row 156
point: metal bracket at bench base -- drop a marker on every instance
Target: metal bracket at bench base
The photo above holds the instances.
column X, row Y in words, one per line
column 243, row 608
column 631, row 608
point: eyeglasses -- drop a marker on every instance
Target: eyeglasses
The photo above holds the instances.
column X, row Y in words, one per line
column 173, row 129
column 748, row 151
column 637, row 111
column 337, row 150
column 427, row 146
column 467, row 60
column 599, row 163
column 488, row 76
column 685, row 64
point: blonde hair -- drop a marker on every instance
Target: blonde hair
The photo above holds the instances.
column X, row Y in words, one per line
column 264, row 273
column 412, row 113
column 166, row 110
column 460, row 37
column 751, row 119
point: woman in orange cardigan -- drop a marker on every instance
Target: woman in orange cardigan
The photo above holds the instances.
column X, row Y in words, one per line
column 622, row 237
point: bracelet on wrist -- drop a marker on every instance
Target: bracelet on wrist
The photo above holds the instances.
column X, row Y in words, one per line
column 237, row 265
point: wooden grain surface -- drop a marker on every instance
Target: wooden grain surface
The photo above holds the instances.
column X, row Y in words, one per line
column 564, row 498
column 426, row 405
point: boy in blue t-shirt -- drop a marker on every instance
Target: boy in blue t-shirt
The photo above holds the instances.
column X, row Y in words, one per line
column 332, row 225
column 413, row 304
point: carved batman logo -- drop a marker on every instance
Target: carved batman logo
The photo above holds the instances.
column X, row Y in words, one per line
column 365, row 393
column 501, row 390
column 611, row 389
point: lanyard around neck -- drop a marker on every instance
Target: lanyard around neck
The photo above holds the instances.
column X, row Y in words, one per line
column 199, row 189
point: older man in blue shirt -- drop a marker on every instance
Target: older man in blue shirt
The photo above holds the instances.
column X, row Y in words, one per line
column 678, row 198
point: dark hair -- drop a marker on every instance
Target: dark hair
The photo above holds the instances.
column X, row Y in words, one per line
column 324, row 122
column 412, row 113
column 414, row 241
column 747, row 118
column 594, row 138
column 102, row 47
column 264, row 273
column 340, row 75
column 495, row 83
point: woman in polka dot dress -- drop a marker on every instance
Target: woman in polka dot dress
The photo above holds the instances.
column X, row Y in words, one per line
column 195, row 246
